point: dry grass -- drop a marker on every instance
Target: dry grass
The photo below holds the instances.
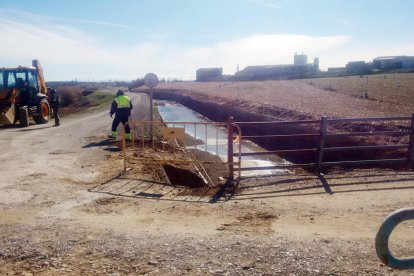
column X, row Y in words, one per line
column 69, row 95
column 391, row 88
column 343, row 97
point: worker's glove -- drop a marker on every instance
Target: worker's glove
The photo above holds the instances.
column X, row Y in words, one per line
column 110, row 115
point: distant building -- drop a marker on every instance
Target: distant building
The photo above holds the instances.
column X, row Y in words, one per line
column 358, row 67
column 300, row 59
column 270, row 72
column 337, row 70
column 316, row 63
column 300, row 68
column 379, row 64
column 209, row 74
column 394, row 63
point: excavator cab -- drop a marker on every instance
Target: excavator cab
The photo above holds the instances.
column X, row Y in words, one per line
column 23, row 95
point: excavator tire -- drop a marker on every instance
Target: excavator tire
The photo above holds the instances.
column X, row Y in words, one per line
column 43, row 112
column 23, row 117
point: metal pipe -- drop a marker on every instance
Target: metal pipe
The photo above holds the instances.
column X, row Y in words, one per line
column 239, row 164
column 410, row 152
column 402, row 118
column 366, row 133
column 206, row 139
column 277, row 152
column 189, row 123
column 151, row 113
column 383, row 235
column 281, row 136
column 230, row 147
column 365, row 162
column 321, row 144
column 195, row 136
column 124, row 148
column 217, row 153
column 152, row 135
column 278, row 167
column 142, row 134
column 176, row 142
column 383, row 147
column 280, row 122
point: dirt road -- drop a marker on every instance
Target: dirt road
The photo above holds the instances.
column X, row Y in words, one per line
column 44, row 151
column 54, row 221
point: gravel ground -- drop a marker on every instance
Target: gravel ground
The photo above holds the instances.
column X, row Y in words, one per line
column 90, row 253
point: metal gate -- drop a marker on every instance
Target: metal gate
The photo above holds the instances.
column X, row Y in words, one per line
column 321, row 134
column 224, row 139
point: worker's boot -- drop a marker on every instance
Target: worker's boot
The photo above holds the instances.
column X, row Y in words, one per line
column 112, row 135
column 128, row 136
column 57, row 121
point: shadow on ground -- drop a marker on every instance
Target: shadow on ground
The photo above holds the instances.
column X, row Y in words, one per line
column 108, row 144
column 122, row 185
column 29, row 128
column 250, row 188
column 307, row 185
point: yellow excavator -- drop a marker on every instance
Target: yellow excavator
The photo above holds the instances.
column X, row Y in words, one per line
column 23, row 95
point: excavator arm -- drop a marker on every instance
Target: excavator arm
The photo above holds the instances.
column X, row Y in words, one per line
column 40, row 78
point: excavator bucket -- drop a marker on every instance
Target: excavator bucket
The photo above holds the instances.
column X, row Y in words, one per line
column 7, row 116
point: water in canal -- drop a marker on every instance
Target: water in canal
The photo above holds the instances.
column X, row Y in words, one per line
column 213, row 139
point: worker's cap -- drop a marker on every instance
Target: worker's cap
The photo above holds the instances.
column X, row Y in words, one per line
column 120, row 92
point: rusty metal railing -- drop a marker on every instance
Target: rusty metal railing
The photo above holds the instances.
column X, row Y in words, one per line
column 319, row 136
column 266, row 124
column 409, row 132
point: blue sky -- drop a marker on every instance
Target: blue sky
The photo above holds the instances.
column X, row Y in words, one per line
column 125, row 39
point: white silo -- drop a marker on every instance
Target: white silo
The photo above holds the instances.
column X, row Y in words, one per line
column 316, row 63
column 300, row 59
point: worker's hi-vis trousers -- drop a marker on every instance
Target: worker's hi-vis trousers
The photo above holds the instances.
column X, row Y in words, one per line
column 123, row 120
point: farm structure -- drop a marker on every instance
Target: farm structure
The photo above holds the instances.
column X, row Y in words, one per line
column 300, row 68
column 380, row 64
column 394, row 62
column 208, row 74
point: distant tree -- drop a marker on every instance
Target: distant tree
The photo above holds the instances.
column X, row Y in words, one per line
column 136, row 83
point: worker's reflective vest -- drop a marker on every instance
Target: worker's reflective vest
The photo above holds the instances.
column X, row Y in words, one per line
column 123, row 102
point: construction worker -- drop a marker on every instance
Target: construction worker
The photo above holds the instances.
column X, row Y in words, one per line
column 54, row 100
column 121, row 107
